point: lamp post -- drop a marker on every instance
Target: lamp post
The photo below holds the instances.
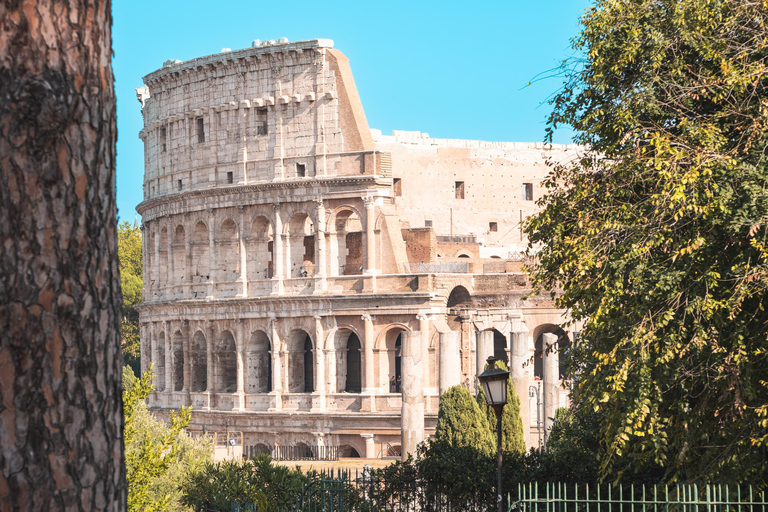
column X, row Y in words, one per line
column 537, row 391
column 494, row 382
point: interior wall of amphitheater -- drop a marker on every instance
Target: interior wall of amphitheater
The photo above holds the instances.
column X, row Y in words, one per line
column 302, row 271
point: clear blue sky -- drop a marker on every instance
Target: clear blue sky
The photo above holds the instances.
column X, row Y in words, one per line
column 453, row 69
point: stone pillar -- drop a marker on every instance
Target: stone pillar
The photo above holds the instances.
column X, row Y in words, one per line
column 319, row 384
column 188, row 261
column 333, row 253
column 277, row 256
column 169, row 367
column 320, row 264
column 551, row 380
column 518, row 353
column 209, row 377
column 369, row 387
column 424, row 330
column 450, row 360
column 412, row 414
column 484, row 349
column 243, row 258
column 187, row 362
column 240, row 345
column 370, row 446
column 370, row 236
column 211, row 259
column 277, row 382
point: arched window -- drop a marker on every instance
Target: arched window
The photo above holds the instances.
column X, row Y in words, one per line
column 458, row 296
column 225, row 364
column 199, row 360
column 160, row 369
column 542, row 350
column 178, row 361
column 354, row 384
column 258, row 361
column 309, row 366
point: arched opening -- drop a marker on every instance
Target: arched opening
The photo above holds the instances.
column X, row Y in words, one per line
column 390, row 361
column 200, row 254
column 178, row 361
column 160, row 370
column 258, row 449
column 500, row 347
column 348, row 452
column 463, row 255
column 198, row 355
column 179, row 255
column 225, row 363
column 260, row 245
column 354, row 377
column 347, row 243
column 162, row 262
column 459, row 295
column 227, row 253
column 300, row 363
column 152, row 274
column 300, row 249
column 258, row 364
column 542, row 351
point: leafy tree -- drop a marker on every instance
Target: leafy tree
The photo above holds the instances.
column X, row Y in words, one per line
column 512, row 438
column 460, row 422
column 130, row 263
column 657, row 235
column 153, row 450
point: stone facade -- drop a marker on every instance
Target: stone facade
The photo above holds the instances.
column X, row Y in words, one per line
column 295, row 260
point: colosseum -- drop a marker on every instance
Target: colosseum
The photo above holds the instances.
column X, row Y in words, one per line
column 312, row 283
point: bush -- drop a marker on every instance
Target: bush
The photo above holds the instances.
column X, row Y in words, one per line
column 460, row 422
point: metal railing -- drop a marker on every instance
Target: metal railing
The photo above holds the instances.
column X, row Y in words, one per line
column 303, row 452
column 559, row 497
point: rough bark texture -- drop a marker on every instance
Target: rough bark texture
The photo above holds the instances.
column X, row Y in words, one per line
column 60, row 366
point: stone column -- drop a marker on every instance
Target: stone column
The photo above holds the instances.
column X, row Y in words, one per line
column 240, row 345
column 187, row 362
column 333, row 253
column 243, row 255
column 412, row 413
column 369, row 387
column 450, row 360
column 424, row 330
column 211, row 259
column 277, row 382
column 551, row 380
column 168, row 359
column 320, row 264
column 518, row 353
column 318, row 403
column 277, row 256
column 370, row 236
column 484, row 349
column 370, row 446
column 209, row 376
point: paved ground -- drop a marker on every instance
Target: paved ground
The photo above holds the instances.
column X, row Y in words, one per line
column 352, row 464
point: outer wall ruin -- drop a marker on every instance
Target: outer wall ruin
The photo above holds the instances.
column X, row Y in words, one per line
column 291, row 253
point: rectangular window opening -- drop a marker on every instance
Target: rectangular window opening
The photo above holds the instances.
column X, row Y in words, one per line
column 528, row 191
column 230, row 177
column 200, row 130
column 301, row 170
column 397, row 185
column 427, row 223
column 493, row 227
column 163, row 139
column 459, row 187
column 261, row 121
column 178, row 184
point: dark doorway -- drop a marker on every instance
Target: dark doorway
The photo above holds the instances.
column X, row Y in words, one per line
column 354, row 384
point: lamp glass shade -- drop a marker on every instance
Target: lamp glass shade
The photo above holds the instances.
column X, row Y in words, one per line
column 494, row 382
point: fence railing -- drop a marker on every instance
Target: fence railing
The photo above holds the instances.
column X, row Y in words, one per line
column 559, row 497
column 300, row 452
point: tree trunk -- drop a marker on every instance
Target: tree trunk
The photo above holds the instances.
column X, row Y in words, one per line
column 60, row 366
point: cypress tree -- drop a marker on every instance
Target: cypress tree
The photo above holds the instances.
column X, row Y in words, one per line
column 511, row 424
column 461, row 423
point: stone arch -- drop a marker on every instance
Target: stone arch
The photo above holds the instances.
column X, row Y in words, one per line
column 463, row 255
column 200, row 253
column 178, row 361
column 348, row 359
column 300, row 246
column 198, row 355
column 500, row 346
column 179, row 255
column 346, row 241
column 389, row 359
column 258, row 363
column 261, row 249
column 541, row 351
column 458, row 296
column 225, row 363
column 301, row 362
column 348, row 452
column 227, row 248
column 160, row 368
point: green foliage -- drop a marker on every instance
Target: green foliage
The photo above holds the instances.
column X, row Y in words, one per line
column 658, row 236
column 156, row 455
column 268, row 486
column 512, row 438
column 460, row 422
column 129, row 258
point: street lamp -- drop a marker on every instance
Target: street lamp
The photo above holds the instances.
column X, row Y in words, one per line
column 537, row 391
column 494, row 382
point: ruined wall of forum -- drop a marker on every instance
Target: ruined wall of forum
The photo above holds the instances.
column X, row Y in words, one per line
column 253, row 115
column 464, row 187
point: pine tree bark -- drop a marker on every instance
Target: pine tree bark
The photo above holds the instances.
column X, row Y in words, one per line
column 61, row 418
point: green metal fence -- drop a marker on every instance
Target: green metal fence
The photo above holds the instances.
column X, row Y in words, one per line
column 559, row 497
